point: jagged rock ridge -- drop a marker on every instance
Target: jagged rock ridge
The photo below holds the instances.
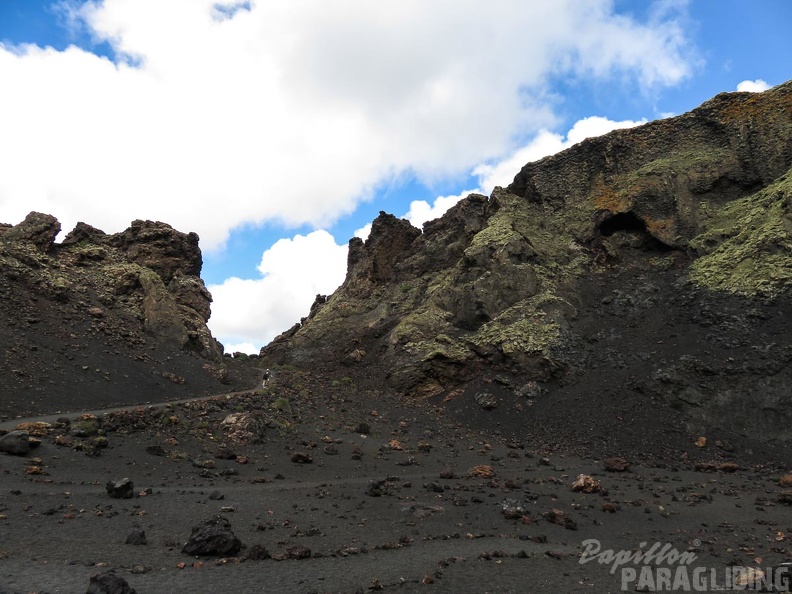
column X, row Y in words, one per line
column 103, row 319
column 557, row 279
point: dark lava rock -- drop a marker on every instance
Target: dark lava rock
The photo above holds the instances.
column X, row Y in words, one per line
column 434, row 487
column 298, row 552
column 213, row 537
column 377, row 488
column 301, row 458
column 513, row 512
column 556, row 516
column 258, row 553
column 156, row 450
column 225, row 453
column 123, row 489
column 785, row 497
column 109, row 583
column 16, row 443
column 137, row 537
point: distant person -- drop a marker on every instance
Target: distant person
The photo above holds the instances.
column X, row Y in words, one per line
column 265, row 378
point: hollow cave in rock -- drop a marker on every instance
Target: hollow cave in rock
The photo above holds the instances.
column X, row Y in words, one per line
column 628, row 222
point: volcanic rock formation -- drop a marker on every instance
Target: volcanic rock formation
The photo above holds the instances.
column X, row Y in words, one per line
column 647, row 267
column 103, row 319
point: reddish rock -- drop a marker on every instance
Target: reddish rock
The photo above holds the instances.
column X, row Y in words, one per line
column 616, row 464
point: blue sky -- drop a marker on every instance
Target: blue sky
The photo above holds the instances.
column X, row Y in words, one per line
column 277, row 130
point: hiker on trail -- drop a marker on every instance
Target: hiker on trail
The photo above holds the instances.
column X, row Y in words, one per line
column 265, row 378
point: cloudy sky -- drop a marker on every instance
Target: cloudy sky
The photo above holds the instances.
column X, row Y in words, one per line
column 278, row 129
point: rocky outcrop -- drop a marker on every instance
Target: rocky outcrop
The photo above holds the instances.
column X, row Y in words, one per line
column 150, row 269
column 130, row 307
column 37, row 228
column 158, row 247
column 684, row 213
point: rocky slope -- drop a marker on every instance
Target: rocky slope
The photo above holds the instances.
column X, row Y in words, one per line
column 632, row 281
column 100, row 319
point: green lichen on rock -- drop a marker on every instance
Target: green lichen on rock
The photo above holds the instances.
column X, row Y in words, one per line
column 421, row 325
column 748, row 248
column 516, row 332
column 441, row 346
column 527, row 329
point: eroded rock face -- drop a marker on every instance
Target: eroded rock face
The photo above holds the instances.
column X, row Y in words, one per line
column 151, row 265
column 680, row 211
column 159, row 247
column 120, row 302
column 37, row 228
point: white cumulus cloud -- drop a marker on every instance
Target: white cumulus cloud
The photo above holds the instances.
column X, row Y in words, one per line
column 248, row 313
column 753, row 86
column 220, row 113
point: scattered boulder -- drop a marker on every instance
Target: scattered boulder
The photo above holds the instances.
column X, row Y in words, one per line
column 137, row 537
column 446, row 473
column 531, row 390
column 486, row 400
column 512, row 510
column 785, row 497
column 616, row 464
column 258, row 553
column 301, row 458
column 586, row 484
column 109, row 583
column 561, row 518
column 225, row 453
column 434, row 487
column 156, row 450
column 208, row 463
column 36, row 428
column 717, row 466
column 213, row 537
column 123, row 489
column 481, row 471
column 298, row 552
column 377, row 488
column 64, row 441
column 16, row 443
